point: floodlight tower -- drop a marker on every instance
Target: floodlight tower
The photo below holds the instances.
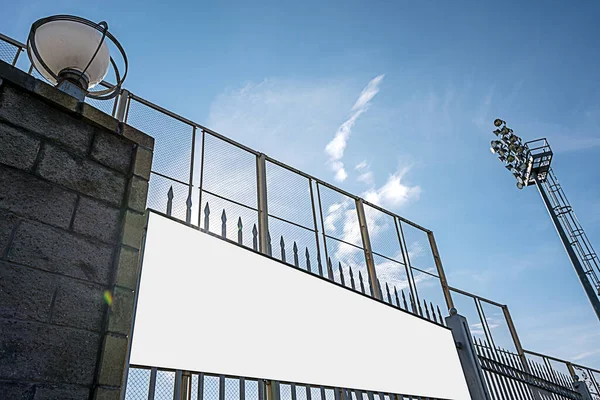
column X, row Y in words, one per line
column 530, row 164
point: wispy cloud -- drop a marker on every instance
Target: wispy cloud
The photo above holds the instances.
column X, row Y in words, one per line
column 336, row 147
column 365, row 175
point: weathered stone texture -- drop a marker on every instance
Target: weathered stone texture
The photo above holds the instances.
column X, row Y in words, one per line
column 54, row 250
column 32, row 198
column 78, row 304
column 128, row 267
column 33, row 351
column 113, row 360
column 81, row 175
column 39, row 286
column 25, row 110
column 96, row 219
column 16, row 148
column 113, row 151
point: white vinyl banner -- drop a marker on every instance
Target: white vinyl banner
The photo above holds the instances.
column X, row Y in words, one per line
column 210, row 306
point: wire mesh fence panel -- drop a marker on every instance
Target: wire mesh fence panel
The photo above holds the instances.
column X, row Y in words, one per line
column 106, row 106
column 237, row 222
column 393, row 279
column 465, row 305
column 251, row 389
column 418, row 249
column 340, row 218
column 194, row 387
column 498, row 326
column 229, row 171
column 138, row 383
column 293, row 244
column 347, row 264
column 211, row 388
column 383, row 234
column 232, row 389
column 301, row 392
column 7, row 52
column 315, row 393
column 172, row 139
column 165, row 385
column 289, row 195
column 168, row 196
column 429, row 292
column 285, row 391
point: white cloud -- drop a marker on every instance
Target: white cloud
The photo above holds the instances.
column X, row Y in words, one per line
column 394, row 193
column 336, row 147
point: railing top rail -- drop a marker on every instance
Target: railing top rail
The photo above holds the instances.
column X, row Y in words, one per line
column 533, row 353
column 12, row 41
column 460, row 291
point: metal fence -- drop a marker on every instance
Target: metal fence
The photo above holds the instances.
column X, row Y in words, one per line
column 509, row 377
column 147, row 383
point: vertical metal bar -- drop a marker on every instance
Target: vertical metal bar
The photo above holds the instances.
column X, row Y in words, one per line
column 314, row 213
column 14, row 62
column 483, row 322
column 272, row 390
column 201, row 386
column 440, row 270
column 122, row 107
column 411, row 277
column 242, row 389
column 402, row 250
column 322, row 224
column 152, row 386
column 177, row 388
column 221, row 387
column 115, row 103
column 188, row 209
column 589, row 291
column 201, row 178
column 362, row 221
column 515, row 337
column 186, row 385
column 261, row 389
column 263, row 212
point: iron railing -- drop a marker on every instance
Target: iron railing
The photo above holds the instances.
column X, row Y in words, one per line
column 508, row 377
column 150, row 383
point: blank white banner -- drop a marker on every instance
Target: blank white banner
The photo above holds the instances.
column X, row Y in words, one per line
column 207, row 305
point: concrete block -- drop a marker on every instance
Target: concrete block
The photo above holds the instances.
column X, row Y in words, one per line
column 31, row 351
column 133, row 229
column 8, row 222
column 113, row 151
column 127, row 269
column 100, row 118
column 121, row 311
column 78, row 304
column 143, row 163
column 16, row 390
column 27, row 111
column 17, row 149
column 40, row 287
column 105, row 393
column 61, row 392
column 82, row 175
column 96, row 219
column 138, row 194
column 31, row 197
column 51, row 249
column 138, row 137
column 112, row 364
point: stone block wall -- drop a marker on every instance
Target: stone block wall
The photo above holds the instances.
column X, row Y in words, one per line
column 73, row 188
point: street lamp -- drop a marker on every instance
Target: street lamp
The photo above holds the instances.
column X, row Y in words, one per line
column 530, row 165
column 72, row 53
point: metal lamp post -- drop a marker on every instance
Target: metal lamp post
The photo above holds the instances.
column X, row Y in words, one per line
column 530, row 164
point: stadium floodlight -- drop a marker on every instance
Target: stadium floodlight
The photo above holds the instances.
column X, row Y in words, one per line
column 530, row 165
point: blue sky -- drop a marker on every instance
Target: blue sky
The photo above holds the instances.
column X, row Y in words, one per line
column 282, row 77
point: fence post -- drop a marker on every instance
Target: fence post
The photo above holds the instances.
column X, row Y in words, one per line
column 582, row 389
column 468, row 356
column 186, row 385
column 122, row 107
column 263, row 213
column 272, row 390
column 440, row 270
column 364, row 232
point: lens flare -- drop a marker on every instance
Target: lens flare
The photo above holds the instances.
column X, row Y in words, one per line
column 108, row 298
